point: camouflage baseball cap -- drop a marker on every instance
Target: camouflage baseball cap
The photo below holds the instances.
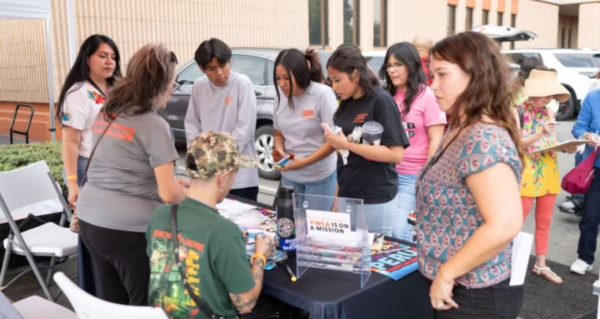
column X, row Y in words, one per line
column 212, row 154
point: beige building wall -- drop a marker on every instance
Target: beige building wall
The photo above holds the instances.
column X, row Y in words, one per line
column 589, row 26
column 335, row 23
column 367, row 23
column 180, row 25
column 23, row 73
column 407, row 18
column 539, row 17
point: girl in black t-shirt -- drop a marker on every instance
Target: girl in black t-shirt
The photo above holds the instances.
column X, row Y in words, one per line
column 372, row 139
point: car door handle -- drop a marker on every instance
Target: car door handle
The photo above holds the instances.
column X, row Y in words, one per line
column 257, row 93
column 171, row 117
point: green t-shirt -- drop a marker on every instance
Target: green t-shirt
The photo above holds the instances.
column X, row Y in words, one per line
column 214, row 258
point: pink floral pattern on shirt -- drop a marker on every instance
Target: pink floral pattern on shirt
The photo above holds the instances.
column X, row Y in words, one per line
column 447, row 215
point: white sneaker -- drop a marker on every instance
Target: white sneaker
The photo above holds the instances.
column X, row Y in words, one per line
column 580, row 267
column 568, row 205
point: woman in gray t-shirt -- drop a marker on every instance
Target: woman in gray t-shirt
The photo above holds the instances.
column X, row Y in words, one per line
column 302, row 104
column 131, row 173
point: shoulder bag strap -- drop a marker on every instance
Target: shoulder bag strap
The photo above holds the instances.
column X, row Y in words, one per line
column 96, row 87
column 96, row 146
column 201, row 304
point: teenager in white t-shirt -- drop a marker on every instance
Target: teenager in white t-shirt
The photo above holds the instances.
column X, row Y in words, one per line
column 423, row 121
column 224, row 101
column 302, row 104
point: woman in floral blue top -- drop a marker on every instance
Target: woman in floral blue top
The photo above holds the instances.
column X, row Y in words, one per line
column 468, row 201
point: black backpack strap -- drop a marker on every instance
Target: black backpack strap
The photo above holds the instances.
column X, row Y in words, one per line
column 201, row 304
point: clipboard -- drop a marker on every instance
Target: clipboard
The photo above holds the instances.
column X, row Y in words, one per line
column 561, row 145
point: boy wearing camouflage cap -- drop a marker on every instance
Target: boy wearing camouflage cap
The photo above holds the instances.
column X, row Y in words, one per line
column 211, row 248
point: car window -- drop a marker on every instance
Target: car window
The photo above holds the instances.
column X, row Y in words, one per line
column 270, row 66
column 375, row 63
column 518, row 57
column 324, row 56
column 251, row 66
column 576, row 60
column 189, row 74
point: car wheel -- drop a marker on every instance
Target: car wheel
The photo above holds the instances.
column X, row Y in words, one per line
column 264, row 143
column 566, row 110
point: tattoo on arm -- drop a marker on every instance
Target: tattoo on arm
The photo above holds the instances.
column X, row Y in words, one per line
column 245, row 302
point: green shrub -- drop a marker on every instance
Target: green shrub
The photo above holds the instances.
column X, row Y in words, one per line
column 17, row 155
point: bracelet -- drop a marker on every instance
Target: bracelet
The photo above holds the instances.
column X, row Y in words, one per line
column 261, row 256
column 71, row 177
column 441, row 274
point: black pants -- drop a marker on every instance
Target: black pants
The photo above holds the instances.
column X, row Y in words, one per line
column 496, row 302
column 588, row 225
column 250, row 193
column 120, row 261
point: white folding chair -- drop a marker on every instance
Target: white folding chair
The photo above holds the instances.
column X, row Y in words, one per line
column 89, row 307
column 26, row 186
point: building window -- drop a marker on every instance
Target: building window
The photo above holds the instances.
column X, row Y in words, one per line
column 513, row 23
column 450, row 30
column 485, row 17
column 317, row 16
column 380, row 25
column 351, row 23
column 500, row 18
column 469, row 19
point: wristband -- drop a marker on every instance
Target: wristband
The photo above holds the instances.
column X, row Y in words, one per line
column 441, row 274
column 261, row 256
column 71, row 177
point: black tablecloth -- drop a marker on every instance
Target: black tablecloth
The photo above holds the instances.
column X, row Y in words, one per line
column 327, row 294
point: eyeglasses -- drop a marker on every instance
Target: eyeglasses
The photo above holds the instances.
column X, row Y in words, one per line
column 394, row 66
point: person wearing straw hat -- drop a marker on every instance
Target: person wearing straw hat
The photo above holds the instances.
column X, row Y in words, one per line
column 541, row 177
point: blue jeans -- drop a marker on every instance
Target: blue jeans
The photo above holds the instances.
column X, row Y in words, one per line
column 324, row 187
column 81, row 166
column 380, row 217
column 407, row 203
column 590, row 221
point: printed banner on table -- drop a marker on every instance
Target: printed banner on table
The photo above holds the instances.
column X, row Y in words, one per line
column 396, row 258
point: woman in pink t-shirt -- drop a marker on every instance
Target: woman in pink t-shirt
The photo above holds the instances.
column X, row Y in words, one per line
column 423, row 121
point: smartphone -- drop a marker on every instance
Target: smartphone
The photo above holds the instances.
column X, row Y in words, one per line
column 283, row 162
column 279, row 256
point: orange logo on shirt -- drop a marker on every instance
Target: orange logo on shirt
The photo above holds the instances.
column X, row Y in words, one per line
column 308, row 114
column 118, row 131
column 228, row 100
column 361, row 118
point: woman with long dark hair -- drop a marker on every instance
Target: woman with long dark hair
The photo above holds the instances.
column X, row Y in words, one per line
column 468, row 201
column 83, row 94
column 371, row 141
column 423, row 121
column 302, row 104
column 131, row 174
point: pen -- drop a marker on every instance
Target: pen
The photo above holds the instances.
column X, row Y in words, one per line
column 290, row 272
